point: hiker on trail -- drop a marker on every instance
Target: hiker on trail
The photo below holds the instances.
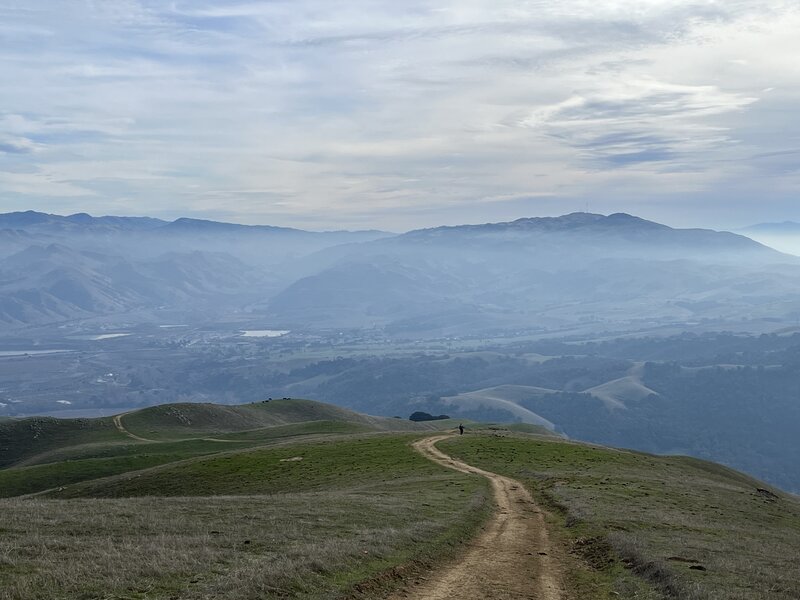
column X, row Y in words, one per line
column 460, row 429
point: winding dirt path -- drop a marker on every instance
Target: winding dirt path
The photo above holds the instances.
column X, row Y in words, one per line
column 121, row 428
column 511, row 558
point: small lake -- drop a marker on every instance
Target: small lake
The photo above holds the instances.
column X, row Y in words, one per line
column 263, row 333
column 99, row 336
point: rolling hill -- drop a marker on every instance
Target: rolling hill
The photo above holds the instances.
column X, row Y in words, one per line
column 38, row 440
column 299, row 499
column 505, row 398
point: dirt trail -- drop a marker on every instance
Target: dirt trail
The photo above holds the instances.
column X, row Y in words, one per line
column 511, row 558
column 118, row 424
column 121, row 428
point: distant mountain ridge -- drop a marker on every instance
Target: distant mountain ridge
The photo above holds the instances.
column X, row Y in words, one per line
column 38, row 220
column 785, row 227
column 540, row 272
column 58, row 268
column 620, row 226
column 31, row 219
column 545, row 272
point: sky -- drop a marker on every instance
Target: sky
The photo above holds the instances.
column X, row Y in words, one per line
column 377, row 113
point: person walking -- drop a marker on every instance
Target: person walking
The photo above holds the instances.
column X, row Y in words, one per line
column 460, row 429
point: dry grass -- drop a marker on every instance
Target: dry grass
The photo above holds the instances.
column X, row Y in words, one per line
column 310, row 545
column 235, row 524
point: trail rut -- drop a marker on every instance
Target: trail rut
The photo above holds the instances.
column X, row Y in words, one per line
column 121, row 428
column 512, row 558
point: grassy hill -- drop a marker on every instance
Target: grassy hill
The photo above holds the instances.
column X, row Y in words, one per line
column 175, row 421
column 297, row 467
column 692, row 529
column 287, row 499
column 505, row 398
column 298, row 499
column 21, row 439
column 45, row 439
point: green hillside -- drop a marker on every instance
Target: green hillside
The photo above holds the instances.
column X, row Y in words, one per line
column 310, row 509
column 176, row 421
column 298, row 499
column 21, row 439
column 692, row 529
column 35, row 440
column 299, row 467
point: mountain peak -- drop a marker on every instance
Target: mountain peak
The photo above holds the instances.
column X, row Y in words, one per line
column 23, row 218
column 577, row 221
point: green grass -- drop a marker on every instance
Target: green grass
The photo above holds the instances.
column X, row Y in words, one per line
column 521, row 428
column 294, row 430
column 196, row 446
column 655, row 516
column 28, row 480
column 21, row 439
column 216, row 504
column 255, row 527
column 94, row 461
column 332, row 465
column 38, row 440
column 180, row 421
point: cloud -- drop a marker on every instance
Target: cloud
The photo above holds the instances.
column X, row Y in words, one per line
column 372, row 112
column 641, row 121
column 16, row 146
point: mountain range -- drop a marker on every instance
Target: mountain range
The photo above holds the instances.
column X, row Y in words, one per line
column 617, row 271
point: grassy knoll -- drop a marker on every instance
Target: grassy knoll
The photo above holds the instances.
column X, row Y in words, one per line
column 177, row 421
column 693, row 530
column 240, row 523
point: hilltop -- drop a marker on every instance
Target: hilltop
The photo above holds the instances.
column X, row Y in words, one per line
column 295, row 498
column 39, row 440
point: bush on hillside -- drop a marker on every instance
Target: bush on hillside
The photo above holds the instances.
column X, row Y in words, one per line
column 423, row 416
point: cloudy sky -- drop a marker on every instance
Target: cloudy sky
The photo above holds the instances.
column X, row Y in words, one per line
column 399, row 114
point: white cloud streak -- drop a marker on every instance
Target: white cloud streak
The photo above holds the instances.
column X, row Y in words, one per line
column 378, row 113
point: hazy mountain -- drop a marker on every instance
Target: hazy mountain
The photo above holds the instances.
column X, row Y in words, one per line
column 545, row 272
column 786, row 227
column 56, row 268
column 79, row 223
column 593, row 270
column 781, row 236
column 12, row 241
column 43, row 284
column 258, row 245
